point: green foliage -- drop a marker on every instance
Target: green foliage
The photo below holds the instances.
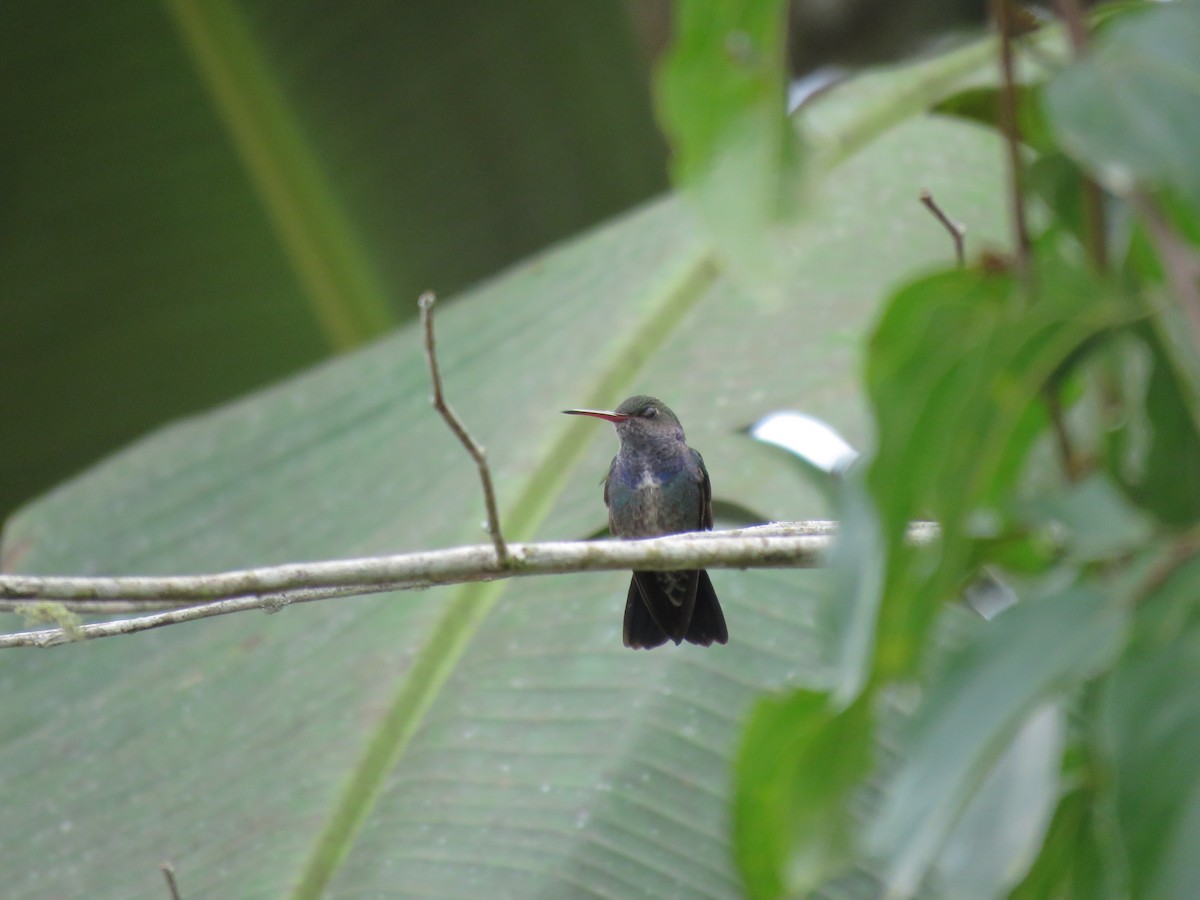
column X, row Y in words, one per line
column 981, row 104
column 972, row 709
column 1147, row 729
column 799, row 758
column 883, row 740
column 997, row 352
column 737, row 155
column 1128, row 110
column 1042, row 411
column 1073, row 860
column 1151, row 453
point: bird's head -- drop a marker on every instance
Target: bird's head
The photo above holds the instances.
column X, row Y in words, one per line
column 639, row 417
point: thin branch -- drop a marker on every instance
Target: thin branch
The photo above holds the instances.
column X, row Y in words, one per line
column 782, row 545
column 1071, row 14
column 1095, row 239
column 958, row 231
column 168, row 871
column 1095, row 226
column 52, row 637
column 426, row 302
column 1008, row 127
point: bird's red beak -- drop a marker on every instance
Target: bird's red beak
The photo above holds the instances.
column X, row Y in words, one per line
column 605, row 414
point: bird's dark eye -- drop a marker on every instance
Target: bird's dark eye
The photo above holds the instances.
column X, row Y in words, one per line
column 651, row 412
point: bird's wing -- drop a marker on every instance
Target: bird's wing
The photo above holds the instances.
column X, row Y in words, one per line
column 706, row 516
column 608, row 480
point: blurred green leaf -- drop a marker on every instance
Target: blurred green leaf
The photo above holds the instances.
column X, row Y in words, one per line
column 961, row 353
column 1150, row 732
column 800, row 760
column 1128, row 110
column 978, row 701
column 487, row 739
column 752, row 174
column 722, row 102
column 1057, row 181
column 1073, row 863
column 858, row 566
column 1093, row 520
column 1155, row 451
column 980, row 104
column 1001, row 828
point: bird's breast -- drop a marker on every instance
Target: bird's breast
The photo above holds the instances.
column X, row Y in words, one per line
column 644, row 502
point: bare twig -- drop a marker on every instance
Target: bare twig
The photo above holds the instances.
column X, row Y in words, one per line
column 1071, row 14
column 1095, row 239
column 1095, row 227
column 426, row 302
column 168, row 871
column 1094, row 224
column 958, row 231
column 782, row 545
column 1009, row 128
column 52, row 637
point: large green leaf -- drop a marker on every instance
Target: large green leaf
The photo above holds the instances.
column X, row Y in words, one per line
column 487, row 739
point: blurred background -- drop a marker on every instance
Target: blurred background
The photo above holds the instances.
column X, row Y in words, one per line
column 200, row 198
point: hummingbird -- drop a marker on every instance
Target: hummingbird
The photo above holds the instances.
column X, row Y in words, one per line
column 659, row 485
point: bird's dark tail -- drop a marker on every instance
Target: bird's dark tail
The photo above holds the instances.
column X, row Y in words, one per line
column 707, row 626
column 676, row 606
column 641, row 632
